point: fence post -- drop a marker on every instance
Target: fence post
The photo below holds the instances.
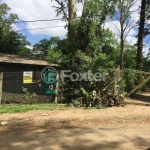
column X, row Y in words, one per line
column 57, row 89
column 1, row 83
column 117, row 81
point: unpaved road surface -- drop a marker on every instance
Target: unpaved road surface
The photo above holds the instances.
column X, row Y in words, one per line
column 116, row 128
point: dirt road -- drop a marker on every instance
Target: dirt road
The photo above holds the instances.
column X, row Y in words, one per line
column 116, row 128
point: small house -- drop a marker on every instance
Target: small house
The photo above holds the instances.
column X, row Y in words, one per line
column 23, row 72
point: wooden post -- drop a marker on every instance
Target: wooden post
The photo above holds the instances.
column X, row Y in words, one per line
column 57, row 89
column 117, row 81
column 1, row 83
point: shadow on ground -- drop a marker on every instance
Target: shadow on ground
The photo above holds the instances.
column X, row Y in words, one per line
column 69, row 138
column 142, row 98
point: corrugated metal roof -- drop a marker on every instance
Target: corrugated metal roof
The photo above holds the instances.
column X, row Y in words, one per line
column 29, row 60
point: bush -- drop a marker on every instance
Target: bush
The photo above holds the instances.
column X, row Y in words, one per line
column 29, row 96
column 77, row 102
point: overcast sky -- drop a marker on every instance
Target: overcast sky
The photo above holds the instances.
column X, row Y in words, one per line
column 28, row 10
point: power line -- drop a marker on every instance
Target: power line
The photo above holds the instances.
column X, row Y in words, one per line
column 40, row 28
column 56, row 26
column 38, row 20
column 63, row 18
column 57, row 19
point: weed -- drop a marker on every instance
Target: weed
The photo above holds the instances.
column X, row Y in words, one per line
column 29, row 96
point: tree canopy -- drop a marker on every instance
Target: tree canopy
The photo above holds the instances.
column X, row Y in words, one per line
column 11, row 41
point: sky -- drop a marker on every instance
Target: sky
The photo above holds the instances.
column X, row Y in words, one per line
column 29, row 10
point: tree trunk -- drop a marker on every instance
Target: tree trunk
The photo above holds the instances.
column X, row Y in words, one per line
column 121, row 36
column 72, row 16
column 121, row 47
column 71, row 10
column 84, row 7
column 140, row 36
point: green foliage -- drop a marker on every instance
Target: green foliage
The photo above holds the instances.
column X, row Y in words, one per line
column 100, row 107
column 130, row 56
column 29, row 96
column 5, row 19
column 146, row 64
column 55, row 56
column 10, row 40
column 91, row 47
column 84, row 94
column 77, row 102
column 88, row 48
column 130, row 78
column 41, row 48
column 38, row 82
column 25, row 51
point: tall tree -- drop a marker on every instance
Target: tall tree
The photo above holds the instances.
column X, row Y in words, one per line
column 87, row 33
column 68, row 9
column 147, row 18
column 71, row 10
column 10, row 40
column 140, row 36
column 126, row 24
column 72, row 17
column 90, row 48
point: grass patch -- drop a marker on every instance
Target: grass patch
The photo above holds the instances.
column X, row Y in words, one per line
column 26, row 107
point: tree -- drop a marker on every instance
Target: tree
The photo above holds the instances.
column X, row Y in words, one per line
column 67, row 6
column 68, row 9
column 129, row 56
column 88, row 45
column 72, row 16
column 10, row 41
column 126, row 24
column 140, row 36
column 43, row 46
column 104, row 55
column 94, row 48
column 147, row 18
